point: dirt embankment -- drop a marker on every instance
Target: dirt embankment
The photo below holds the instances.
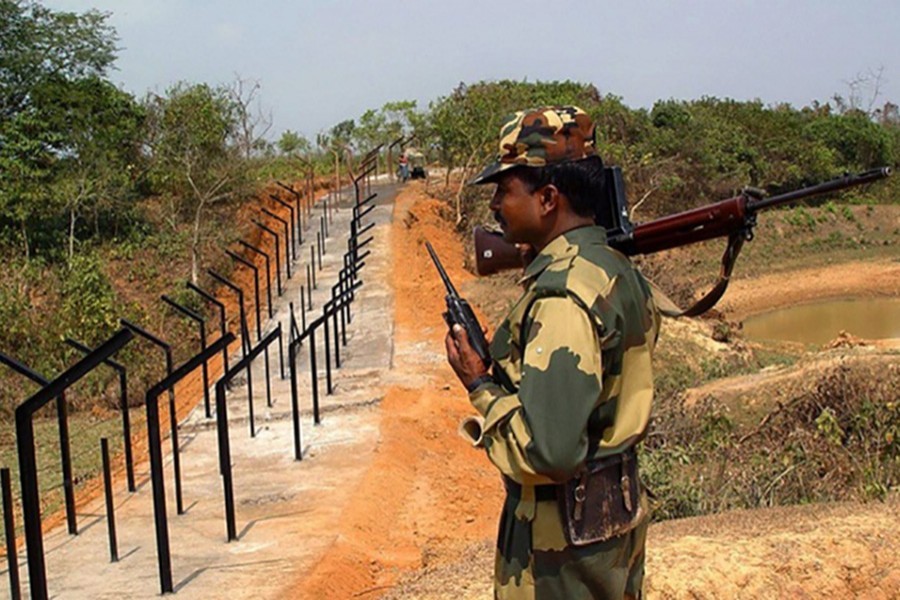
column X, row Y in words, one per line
column 425, row 496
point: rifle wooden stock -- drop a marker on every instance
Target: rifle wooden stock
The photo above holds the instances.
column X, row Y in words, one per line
column 493, row 254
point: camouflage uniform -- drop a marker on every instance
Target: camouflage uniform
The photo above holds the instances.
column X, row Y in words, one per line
column 572, row 359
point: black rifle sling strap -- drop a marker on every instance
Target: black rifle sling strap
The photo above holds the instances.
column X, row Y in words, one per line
column 729, row 257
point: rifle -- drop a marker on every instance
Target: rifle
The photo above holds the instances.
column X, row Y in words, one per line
column 733, row 218
column 459, row 312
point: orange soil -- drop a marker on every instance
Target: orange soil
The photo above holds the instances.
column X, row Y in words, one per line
column 427, row 494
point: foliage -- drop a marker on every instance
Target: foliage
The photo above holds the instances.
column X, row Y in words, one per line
column 193, row 160
column 40, row 44
column 88, row 307
column 66, row 133
column 834, row 437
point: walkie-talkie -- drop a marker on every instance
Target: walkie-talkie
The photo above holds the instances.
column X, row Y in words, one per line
column 459, row 312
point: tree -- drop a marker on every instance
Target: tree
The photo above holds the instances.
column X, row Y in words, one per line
column 43, row 53
column 97, row 160
column 252, row 123
column 39, row 43
column 193, row 162
column 292, row 143
column 463, row 126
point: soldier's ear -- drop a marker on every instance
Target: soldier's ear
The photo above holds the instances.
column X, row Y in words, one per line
column 549, row 198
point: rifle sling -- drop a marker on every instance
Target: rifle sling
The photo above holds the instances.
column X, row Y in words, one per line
column 729, row 257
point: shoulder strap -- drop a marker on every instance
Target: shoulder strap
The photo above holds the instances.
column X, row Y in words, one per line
column 729, row 257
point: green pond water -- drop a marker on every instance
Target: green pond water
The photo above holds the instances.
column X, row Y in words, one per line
column 821, row 322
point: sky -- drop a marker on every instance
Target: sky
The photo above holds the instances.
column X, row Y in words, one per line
column 319, row 62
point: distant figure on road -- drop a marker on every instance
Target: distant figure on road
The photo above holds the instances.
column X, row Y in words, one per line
column 416, row 163
column 403, row 167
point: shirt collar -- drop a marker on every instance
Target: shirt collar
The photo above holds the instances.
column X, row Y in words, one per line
column 562, row 247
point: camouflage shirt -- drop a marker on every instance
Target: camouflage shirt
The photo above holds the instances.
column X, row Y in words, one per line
column 572, row 365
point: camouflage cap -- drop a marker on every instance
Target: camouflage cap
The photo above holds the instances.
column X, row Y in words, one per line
column 540, row 137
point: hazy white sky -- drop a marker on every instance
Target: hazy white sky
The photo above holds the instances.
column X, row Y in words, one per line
column 323, row 61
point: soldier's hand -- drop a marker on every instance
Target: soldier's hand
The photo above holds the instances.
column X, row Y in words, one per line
column 465, row 362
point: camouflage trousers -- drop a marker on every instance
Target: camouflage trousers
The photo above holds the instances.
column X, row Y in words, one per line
column 534, row 562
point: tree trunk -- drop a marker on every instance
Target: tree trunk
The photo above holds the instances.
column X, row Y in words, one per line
column 195, row 243
column 71, row 233
column 337, row 176
column 462, row 185
column 25, row 241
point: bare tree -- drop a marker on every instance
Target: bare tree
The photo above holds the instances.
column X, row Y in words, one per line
column 253, row 122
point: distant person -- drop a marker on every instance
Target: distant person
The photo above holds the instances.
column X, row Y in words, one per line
column 403, row 167
column 568, row 393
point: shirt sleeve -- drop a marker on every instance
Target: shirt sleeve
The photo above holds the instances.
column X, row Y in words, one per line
column 539, row 435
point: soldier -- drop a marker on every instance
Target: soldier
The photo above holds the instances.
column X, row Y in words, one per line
column 570, row 387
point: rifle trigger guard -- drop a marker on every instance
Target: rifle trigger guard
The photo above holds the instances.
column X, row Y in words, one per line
column 749, row 224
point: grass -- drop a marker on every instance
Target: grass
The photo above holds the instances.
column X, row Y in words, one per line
column 832, row 435
column 85, row 432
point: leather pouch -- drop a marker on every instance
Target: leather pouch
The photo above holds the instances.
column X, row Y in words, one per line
column 603, row 502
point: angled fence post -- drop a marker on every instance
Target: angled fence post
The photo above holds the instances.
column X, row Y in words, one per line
column 123, row 402
column 245, row 333
column 222, row 427
column 277, row 237
column 31, row 502
column 197, row 318
column 223, row 324
column 154, row 439
column 173, row 410
column 287, row 239
column 65, row 455
column 255, row 270
column 268, row 273
column 295, row 224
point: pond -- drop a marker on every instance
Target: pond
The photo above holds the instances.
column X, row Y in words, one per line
column 821, row 322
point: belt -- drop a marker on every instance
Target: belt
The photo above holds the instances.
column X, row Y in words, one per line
column 541, row 492
column 551, row 492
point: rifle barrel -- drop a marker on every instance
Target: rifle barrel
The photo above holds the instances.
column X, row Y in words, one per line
column 823, row 188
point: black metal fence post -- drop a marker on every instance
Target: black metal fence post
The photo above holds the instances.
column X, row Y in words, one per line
column 110, row 507
column 297, row 200
column 287, row 239
column 245, row 338
column 295, row 224
column 197, row 318
column 173, row 409
column 123, row 402
column 223, row 324
column 9, row 528
column 156, row 460
column 222, row 428
column 241, row 260
column 295, row 403
column 271, row 232
column 65, row 454
column 31, row 504
column 268, row 273
column 255, row 270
